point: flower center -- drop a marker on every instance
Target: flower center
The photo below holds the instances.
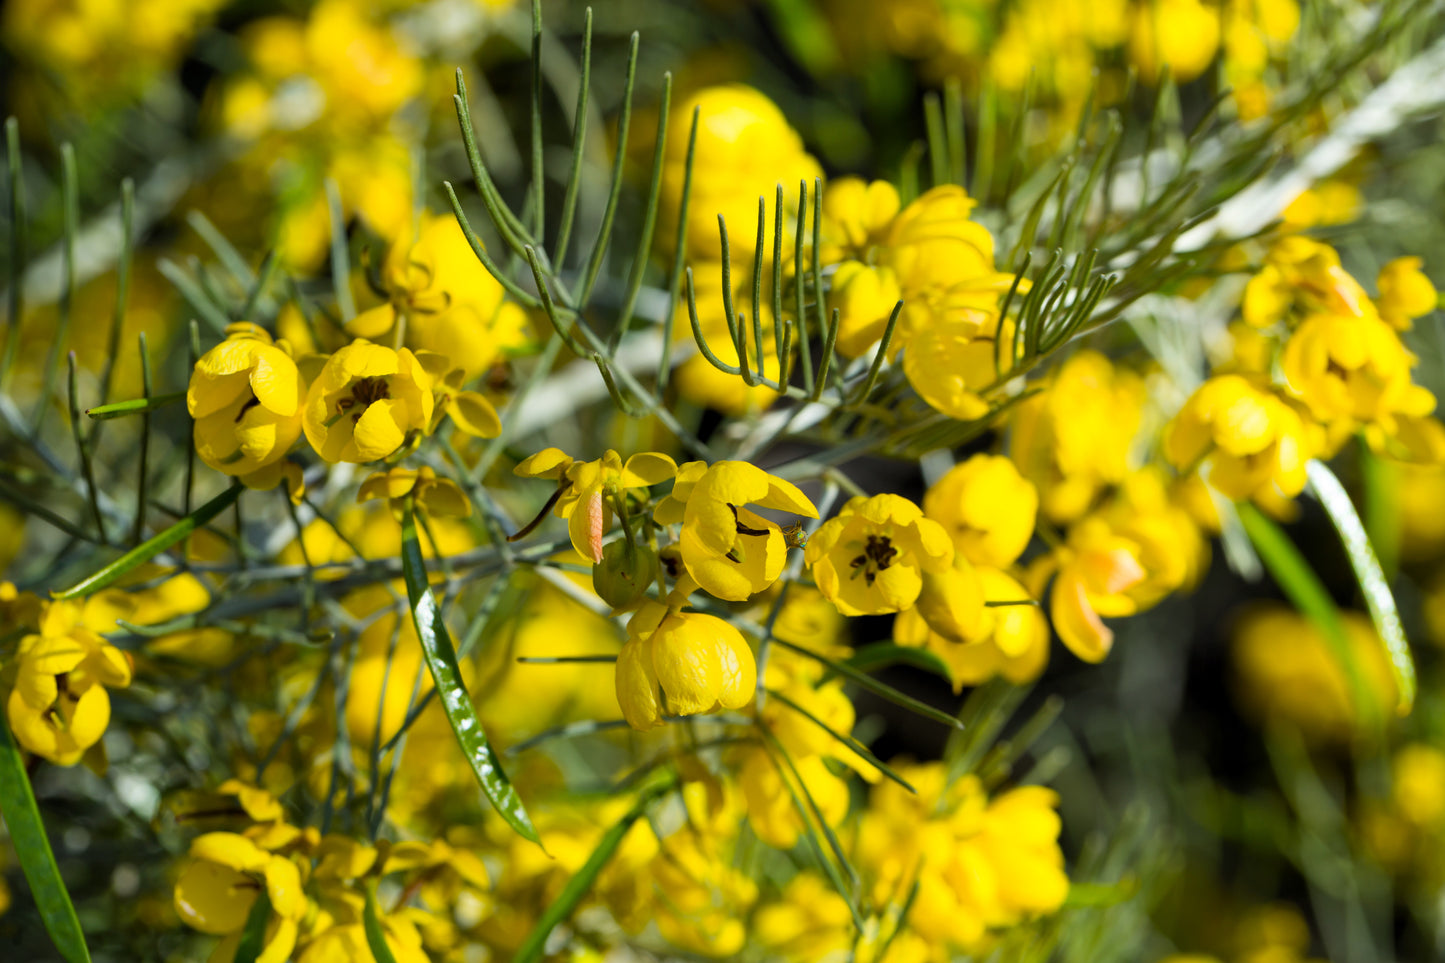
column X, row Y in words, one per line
column 878, row 554
column 363, row 393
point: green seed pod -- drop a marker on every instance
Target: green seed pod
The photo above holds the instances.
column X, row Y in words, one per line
column 623, row 574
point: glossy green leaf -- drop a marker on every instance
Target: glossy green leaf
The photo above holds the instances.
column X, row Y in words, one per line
column 1371, row 578
column 375, row 933
column 253, row 935
column 135, row 406
column 152, row 546
column 581, row 882
column 441, row 659
column 32, row 847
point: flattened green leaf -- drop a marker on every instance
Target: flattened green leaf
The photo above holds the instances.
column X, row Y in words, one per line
column 27, row 832
column 152, row 546
column 253, row 936
column 1371, row 577
column 1298, row 580
column 580, row 884
column 135, row 406
column 441, row 659
column 375, row 933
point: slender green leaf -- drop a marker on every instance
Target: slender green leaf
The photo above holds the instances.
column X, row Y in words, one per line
column 436, row 643
column 1297, row 578
column 1371, row 577
column 581, row 882
column 880, row 655
column 845, row 739
column 152, row 546
column 375, row 933
column 874, row 686
column 253, row 936
column 134, row 406
column 27, row 832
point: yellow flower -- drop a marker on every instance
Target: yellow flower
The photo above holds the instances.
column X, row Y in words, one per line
column 1253, row 441
column 881, row 555
column 856, row 218
column 470, row 411
column 1182, row 34
column 681, row 663
column 979, row 864
column 1352, row 372
column 433, row 495
column 245, row 395
column 1014, row 642
column 932, row 243
column 1287, row 671
column 701, row 899
column 865, row 297
column 1419, row 784
column 772, row 813
column 225, row 875
column 365, row 403
column 1301, row 277
column 447, row 301
column 987, row 508
column 809, row 922
column 731, row 551
column 1097, row 571
column 949, row 361
column 1074, row 439
column 745, row 147
column 1405, row 292
column 59, row 706
column 586, row 490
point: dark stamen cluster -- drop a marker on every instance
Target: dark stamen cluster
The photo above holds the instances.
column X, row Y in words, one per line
column 877, row 555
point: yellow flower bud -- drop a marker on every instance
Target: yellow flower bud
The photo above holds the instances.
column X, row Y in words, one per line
column 681, row 663
column 1182, row 34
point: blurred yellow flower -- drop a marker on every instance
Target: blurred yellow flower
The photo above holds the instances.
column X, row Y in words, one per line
column 1405, row 292
column 987, row 508
column 433, row 495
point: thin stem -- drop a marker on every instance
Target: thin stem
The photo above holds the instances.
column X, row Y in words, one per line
column 579, row 139
column 87, row 468
column 142, row 484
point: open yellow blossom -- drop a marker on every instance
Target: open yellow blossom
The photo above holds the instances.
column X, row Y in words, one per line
column 987, row 508
column 950, row 361
column 1300, row 277
column 1405, row 292
column 59, row 706
column 932, row 243
column 245, row 395
column 731, row 551
column 681, row 663
column 1353, row 371
column 446, row 301
column 879, row 554
column 470, row 411
column 433, row 495
column 223, row 880
column 1253, row 441
column 586, row 489
column 366, row 401
column 1014, row 642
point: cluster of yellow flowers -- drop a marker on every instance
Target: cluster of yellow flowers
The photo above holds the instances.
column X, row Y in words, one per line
column 724, row 796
